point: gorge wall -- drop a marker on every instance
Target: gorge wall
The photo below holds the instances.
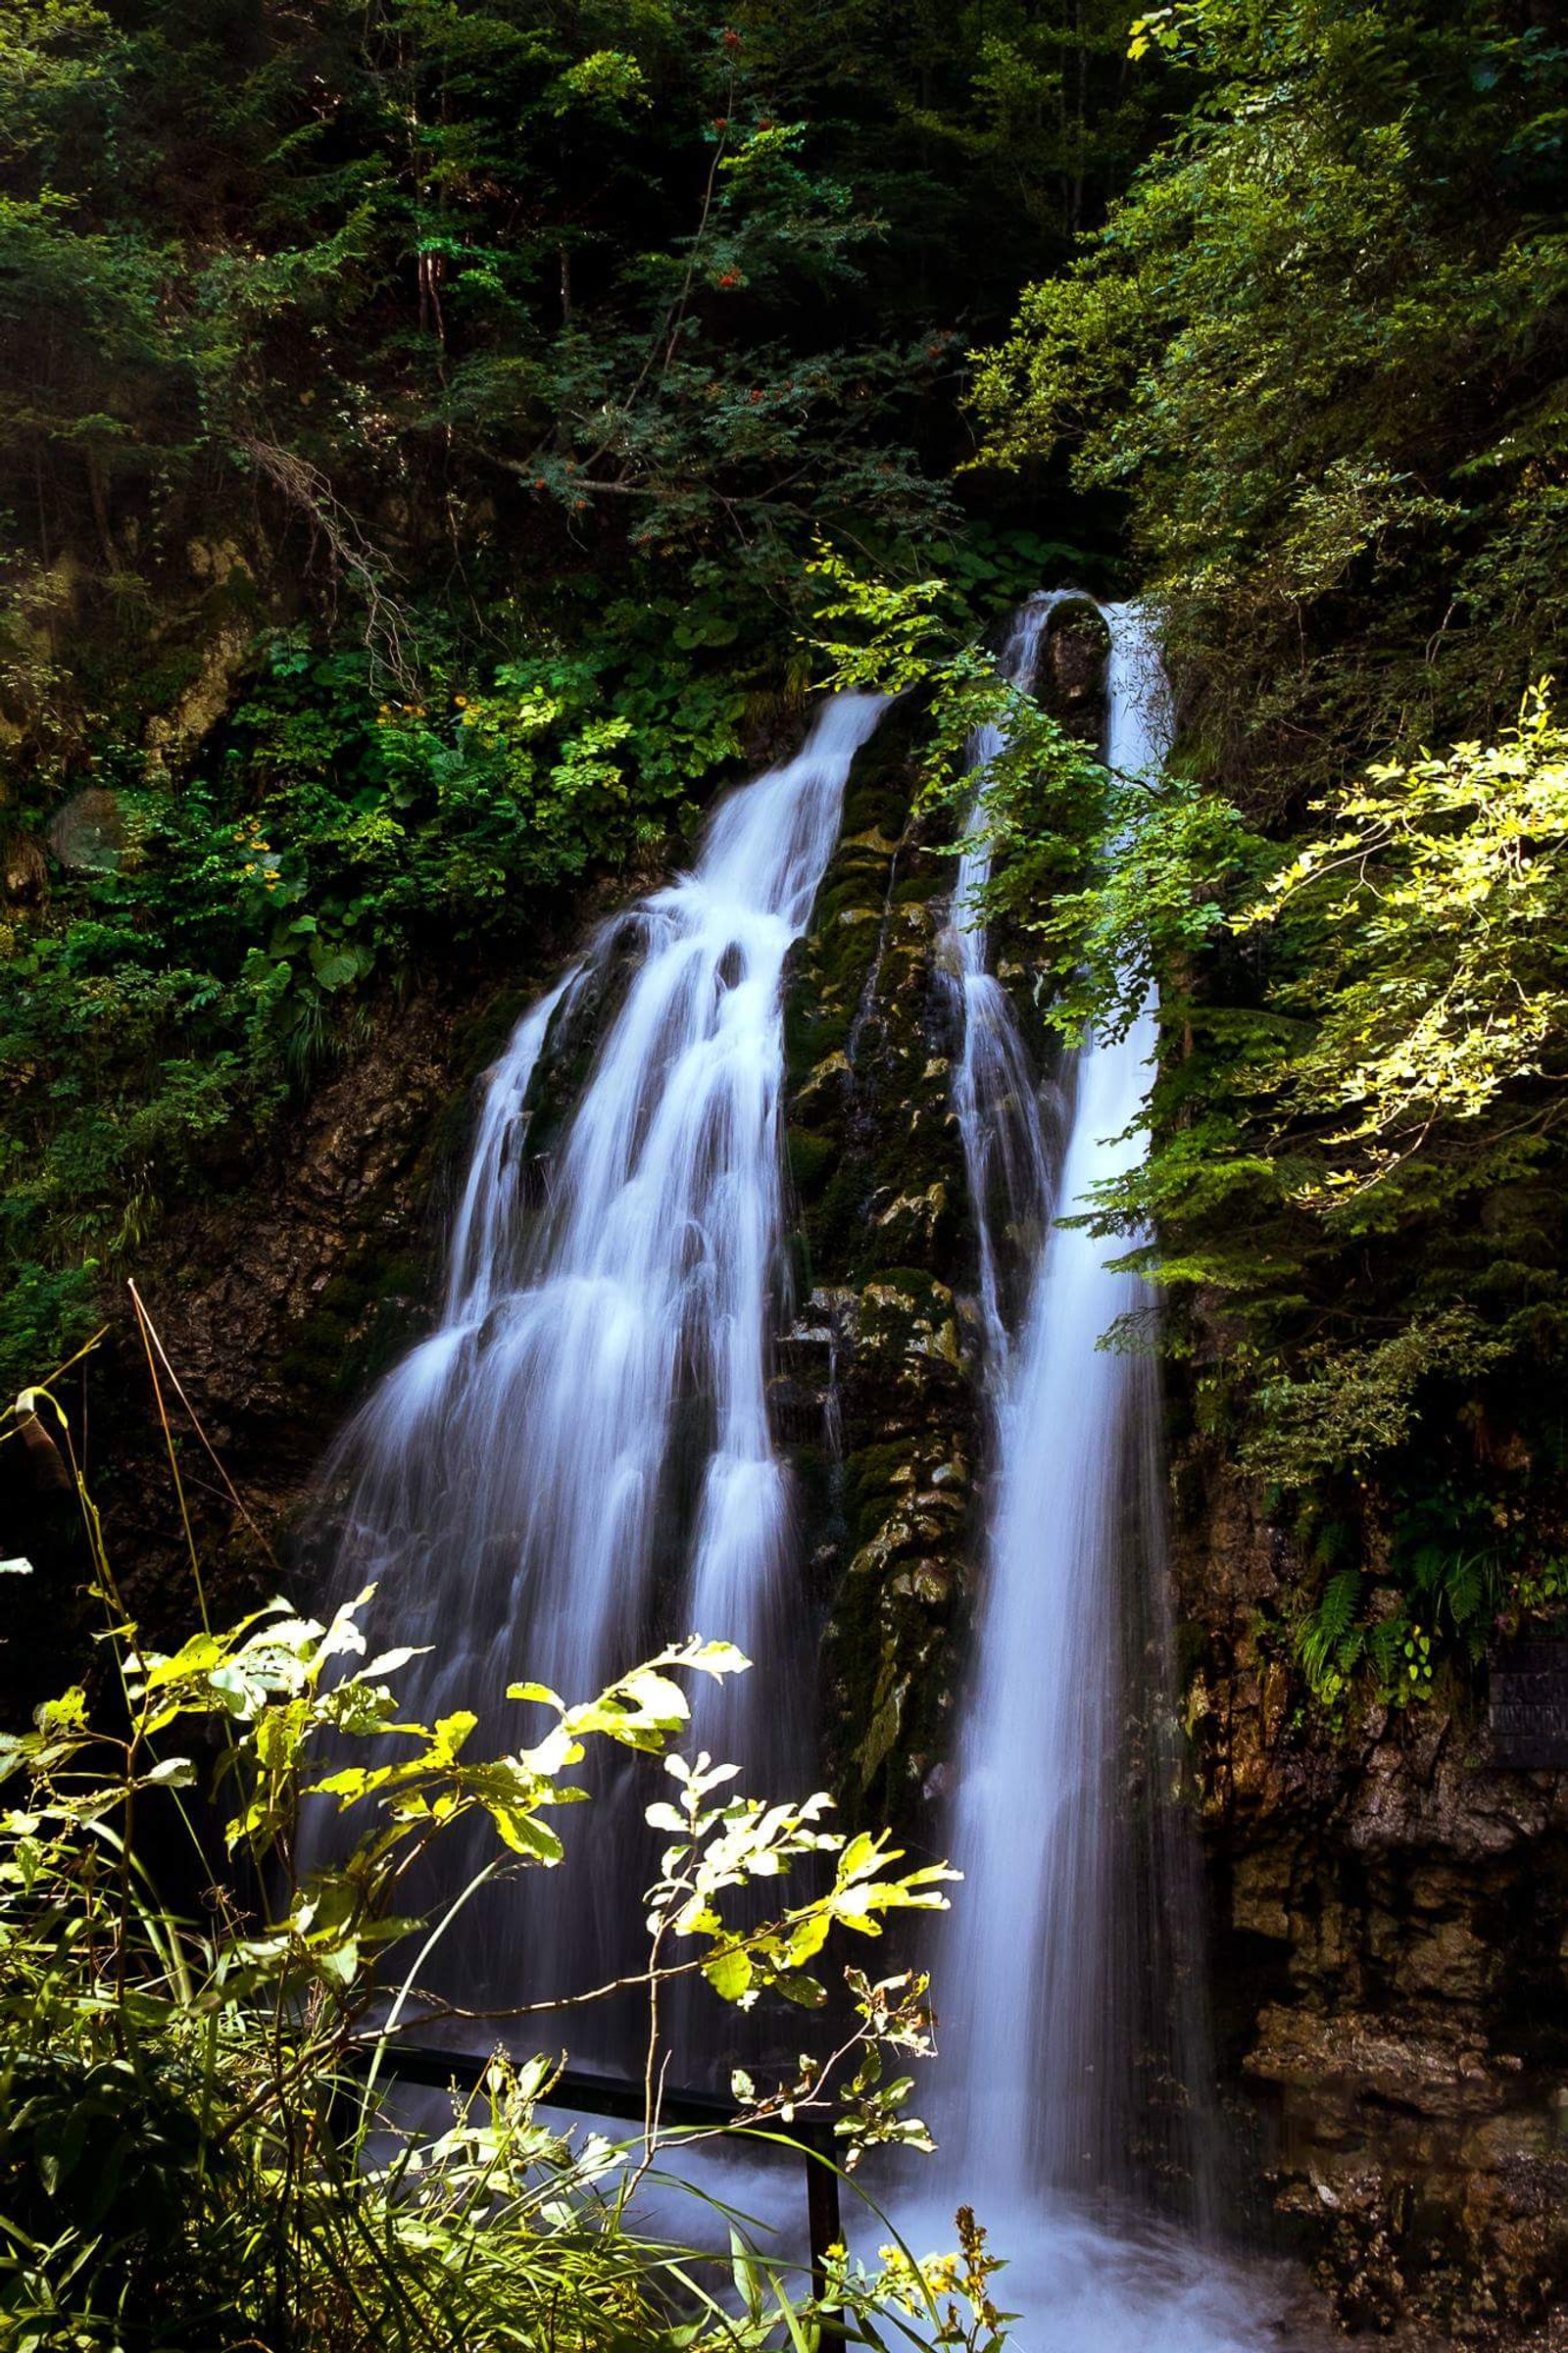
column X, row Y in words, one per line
column 1390, row 1941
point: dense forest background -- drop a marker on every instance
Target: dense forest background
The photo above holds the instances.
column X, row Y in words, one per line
column 417, row 423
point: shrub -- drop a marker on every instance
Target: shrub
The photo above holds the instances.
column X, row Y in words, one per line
column 196, row 2150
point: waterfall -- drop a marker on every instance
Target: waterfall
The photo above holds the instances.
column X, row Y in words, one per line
column 1064, row 1961
column 577, row 1463
column 994, row 1092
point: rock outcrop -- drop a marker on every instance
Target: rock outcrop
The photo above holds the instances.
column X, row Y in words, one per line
column 1391, row 1959
column 876, row 1393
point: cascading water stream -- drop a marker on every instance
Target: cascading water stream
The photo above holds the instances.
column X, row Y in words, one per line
column 1040, row 2024
column 578, row 1462
column 1065, row 1968
column 994, row 1092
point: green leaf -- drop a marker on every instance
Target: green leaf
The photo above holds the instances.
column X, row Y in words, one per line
column 535, row 1691
column 730, row 1972
column 803, row 1990
column 525, row 1835
column 334, row 969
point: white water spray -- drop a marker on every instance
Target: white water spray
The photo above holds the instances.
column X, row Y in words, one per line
column 994, row 1092
column 578, row 1462
column 1067, row 2003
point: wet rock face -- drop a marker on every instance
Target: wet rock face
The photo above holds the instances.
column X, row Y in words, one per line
column 277, row 1298
column 878, row 1397
column 1390, row 1955
column 1072, row 677
column 875, row 1394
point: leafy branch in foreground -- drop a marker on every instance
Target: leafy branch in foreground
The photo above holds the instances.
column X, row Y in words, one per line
column 195, row 2152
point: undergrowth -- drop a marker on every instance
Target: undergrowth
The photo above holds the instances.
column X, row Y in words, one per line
column 197, row 2150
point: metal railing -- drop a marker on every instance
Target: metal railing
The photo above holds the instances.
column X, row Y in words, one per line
column 621, row 2098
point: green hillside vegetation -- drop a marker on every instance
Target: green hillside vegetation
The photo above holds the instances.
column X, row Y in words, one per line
column 1318, row 347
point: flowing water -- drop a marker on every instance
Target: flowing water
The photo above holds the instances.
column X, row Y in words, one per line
column 1038, row 1978
column 578, row 1464
column 996, row 1093
column 1070, row 2092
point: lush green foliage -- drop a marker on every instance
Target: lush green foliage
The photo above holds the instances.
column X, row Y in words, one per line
column 1399, row 1066
column 193, row 2151
column 329, row 844
column 1318, row 347
column 417, row 279
column 1438, row 907
column 413, row 420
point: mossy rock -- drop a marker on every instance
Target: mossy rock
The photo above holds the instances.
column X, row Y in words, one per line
column 877, row 794
column 1071, row 672
column 811, row 1160
column 888, row 1649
